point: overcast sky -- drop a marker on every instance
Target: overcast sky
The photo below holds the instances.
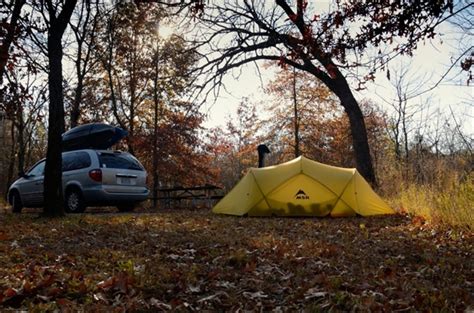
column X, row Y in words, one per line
column 428, row 65
column 430, row 62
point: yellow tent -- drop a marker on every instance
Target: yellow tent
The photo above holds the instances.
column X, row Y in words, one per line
column 302, row 187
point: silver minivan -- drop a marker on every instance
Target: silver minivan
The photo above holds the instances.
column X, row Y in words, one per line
column 91, row 177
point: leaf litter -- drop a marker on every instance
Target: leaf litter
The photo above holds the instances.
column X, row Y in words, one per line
column 194, row 261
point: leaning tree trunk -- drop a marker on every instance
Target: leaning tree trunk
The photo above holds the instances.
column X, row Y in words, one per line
column 360, row 140
column 334, row 80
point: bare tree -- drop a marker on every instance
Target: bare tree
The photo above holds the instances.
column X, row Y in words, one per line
column 405, row 83
column 24, row 108
column 464, row 24
column 84, row 26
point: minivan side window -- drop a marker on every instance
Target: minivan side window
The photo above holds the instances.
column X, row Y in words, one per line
column 38, row 170
column 75, row 161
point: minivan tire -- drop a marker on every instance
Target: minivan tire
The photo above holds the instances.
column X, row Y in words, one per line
column 15, row 200
column 74, row 202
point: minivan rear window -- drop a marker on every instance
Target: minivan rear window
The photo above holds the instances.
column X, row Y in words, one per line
column 119, row 160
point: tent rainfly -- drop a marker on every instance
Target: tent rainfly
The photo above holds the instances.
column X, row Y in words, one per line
column 302, row 187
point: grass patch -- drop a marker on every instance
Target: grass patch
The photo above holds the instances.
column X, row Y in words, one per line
column 448, row 205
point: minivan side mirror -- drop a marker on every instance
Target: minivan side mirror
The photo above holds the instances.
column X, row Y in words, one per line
column 23, row 175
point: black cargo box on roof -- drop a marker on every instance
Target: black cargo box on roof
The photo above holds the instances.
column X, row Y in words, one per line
column 92, row 136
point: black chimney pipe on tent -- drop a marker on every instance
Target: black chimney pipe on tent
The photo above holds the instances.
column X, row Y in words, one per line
column 262, row 150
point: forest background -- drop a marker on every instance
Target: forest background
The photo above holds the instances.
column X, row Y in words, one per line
column 121, row 66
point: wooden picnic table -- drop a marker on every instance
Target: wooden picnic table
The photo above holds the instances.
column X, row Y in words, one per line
column 175, row 195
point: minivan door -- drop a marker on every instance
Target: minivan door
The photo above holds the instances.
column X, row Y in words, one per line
column 32, row 187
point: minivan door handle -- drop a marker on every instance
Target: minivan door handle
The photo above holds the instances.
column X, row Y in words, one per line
column 125, row 175
column 39, row 182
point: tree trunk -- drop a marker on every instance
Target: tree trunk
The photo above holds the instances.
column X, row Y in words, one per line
column 11, row 164
column 9, row 36
column 131, row 132
column 405, row 132
column 82, row 64
column 156, row 99
column 133, row 98
column 396, row 131
column 53, row 194
column 296, row 121
column 21, row 140
column 75, row 109
column 155, row 156
column 53, row 191
column 360, row 140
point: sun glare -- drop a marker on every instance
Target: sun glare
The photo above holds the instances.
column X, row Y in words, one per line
column 165, row 30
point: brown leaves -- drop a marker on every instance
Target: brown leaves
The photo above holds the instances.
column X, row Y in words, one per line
column 122, row 282
column 4, row 236
column 186, row 261
column 37, row 282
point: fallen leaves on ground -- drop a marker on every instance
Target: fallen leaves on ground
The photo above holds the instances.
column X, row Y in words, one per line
column 193, row 261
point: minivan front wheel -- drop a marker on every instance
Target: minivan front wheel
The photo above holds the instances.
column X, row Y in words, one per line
column 74, row 202
column 16, row 203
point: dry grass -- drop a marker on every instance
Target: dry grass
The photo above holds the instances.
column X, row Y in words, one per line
column 448, row 204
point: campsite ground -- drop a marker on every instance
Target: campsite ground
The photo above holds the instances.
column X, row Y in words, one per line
column 193, row 260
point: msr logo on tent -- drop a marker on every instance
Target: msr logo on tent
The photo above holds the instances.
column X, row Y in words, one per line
column 301, row 195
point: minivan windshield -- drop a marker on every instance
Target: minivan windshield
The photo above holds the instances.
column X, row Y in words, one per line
column 38, row 169
column 119, row 160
